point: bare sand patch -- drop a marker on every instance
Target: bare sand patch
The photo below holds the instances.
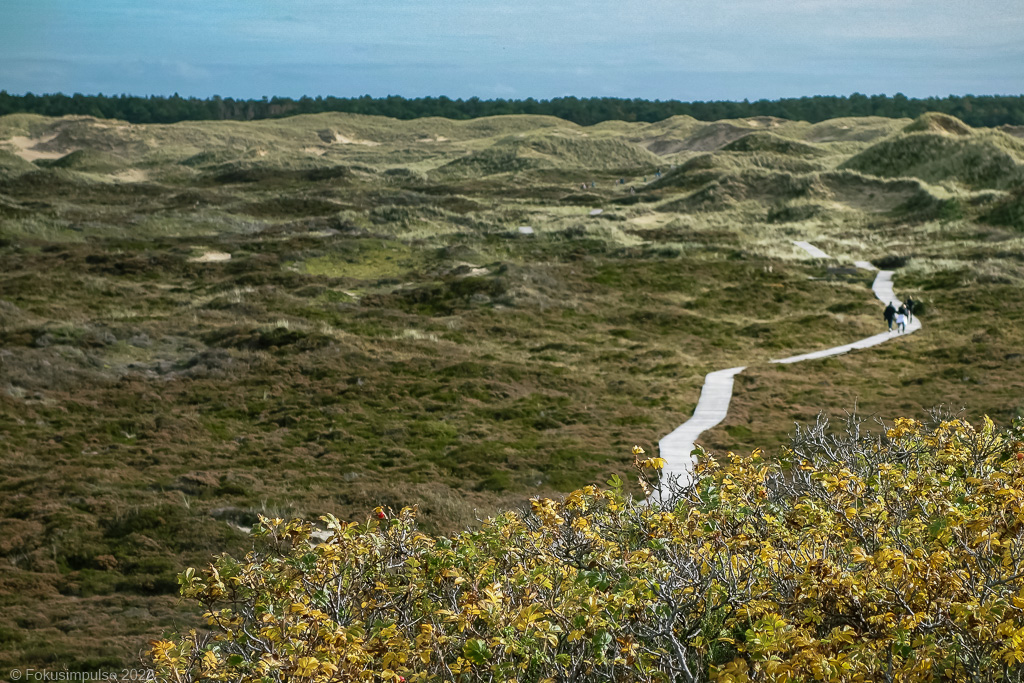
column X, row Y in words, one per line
column 25, row 147
column 211, row 257
column 319, row 151
column 650, row 219
column 132, row 175
column 341, row 139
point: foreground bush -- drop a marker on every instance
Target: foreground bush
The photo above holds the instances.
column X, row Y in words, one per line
column 846, row 559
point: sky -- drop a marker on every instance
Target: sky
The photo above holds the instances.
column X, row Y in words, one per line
column 655, row 49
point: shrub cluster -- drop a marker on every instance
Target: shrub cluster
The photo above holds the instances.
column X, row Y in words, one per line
column 846, row 558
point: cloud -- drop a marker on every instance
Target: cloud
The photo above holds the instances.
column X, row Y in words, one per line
column 657, row 48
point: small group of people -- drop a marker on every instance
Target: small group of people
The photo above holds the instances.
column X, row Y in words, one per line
column 899, row 316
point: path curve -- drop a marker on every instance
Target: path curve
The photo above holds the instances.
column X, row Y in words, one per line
column 716, row 394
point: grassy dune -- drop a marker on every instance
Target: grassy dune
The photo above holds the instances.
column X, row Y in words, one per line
column 203, row 322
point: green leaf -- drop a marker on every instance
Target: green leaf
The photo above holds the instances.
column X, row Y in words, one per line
column 476, row 651
column 601, row 640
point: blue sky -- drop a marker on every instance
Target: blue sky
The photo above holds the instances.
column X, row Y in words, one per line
column 678, row 49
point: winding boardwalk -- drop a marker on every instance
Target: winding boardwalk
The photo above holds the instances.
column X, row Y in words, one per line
column 713, row 405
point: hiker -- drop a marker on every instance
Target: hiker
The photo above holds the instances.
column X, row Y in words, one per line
column 901, row 320
column 909, row 303
column 631, row 190
column 889, row 315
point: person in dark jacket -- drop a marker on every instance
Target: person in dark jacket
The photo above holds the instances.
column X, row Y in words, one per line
column 889, row 315
column 909, row 303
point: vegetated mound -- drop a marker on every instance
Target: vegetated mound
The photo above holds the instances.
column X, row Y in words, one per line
column 685, row 134
column 770, row 564
column 1015, row 131
column 12, row 164
column 938, row 123
column 1009, row 211
column 712, row 136
column 853, row 129
column 291, row 206
column 121, row 139
column 512, row 154
column 46, row 181
column 870, row 194
column 706, row 168
column 275, row 171
column 692, row 173
column 730, row 189
column 763, row 141
column 795, row 211
column 980, row 160
column 662, row 137
column 716, row 187
column 593, row 153
column 492, row 161
column 87, row 160
column 213, row 158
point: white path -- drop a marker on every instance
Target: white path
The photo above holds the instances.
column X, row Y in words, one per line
column 811, row 249
column 882, row 287
column 713, row 405
column 712, row 408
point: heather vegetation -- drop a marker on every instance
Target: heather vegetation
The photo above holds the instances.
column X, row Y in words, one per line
column 206, row 322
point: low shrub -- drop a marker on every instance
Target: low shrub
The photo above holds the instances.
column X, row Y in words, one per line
column 846, row 558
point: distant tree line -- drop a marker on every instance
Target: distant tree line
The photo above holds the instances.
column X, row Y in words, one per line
column 986, row 110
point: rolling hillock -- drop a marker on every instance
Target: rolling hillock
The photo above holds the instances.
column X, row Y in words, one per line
column 869, row 194
column 493, row 161
column 705, row 168
column 712, row 136
column 933, row 122
column 762, row 141
column 12, row 164
column 47, row 180
column 733, row 188
column 1008, row 211
column 975, row 160
column 88, row 161
column 854, row 192
column 862, row 129
column 513, row 154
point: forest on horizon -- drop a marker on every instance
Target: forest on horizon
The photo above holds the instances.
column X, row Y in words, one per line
column 984, row 110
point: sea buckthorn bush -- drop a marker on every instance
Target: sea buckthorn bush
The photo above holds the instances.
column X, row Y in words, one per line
column 848, row 557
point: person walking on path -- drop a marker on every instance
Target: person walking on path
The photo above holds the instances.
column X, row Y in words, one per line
column 901, row 320
column 889, row 315
column 909, row 303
